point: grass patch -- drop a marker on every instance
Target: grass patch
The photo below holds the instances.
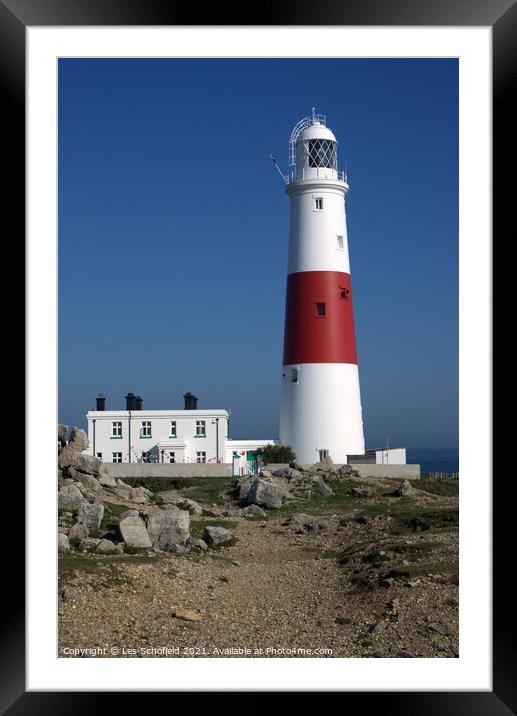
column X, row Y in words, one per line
column 447, row 488
column 424, row 520
column 197, row 526
column 202, row 489
column 91, row 563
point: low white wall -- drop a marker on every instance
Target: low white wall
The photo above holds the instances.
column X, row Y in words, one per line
column 406, row 472
column 179, row 469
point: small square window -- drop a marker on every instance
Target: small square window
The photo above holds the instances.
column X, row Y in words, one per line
column 318, row 204
column 117, row 456
column 145, row 430
column 343, row 293
column 201, row 457
column 321, row 309
column 98, row 455
column 294, row 375
column 340, row 243
column 116, row 429
column 172, row 456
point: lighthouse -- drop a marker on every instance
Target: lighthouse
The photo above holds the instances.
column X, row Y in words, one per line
column 321, row 413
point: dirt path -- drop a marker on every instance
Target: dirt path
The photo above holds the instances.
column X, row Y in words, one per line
column 272, row 592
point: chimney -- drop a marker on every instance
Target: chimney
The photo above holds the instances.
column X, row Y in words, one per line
column 190, row 401
column 138, row 403
column 101, row 402
column 130, row 401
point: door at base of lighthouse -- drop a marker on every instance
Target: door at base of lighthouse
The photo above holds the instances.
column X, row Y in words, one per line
column 323, row 454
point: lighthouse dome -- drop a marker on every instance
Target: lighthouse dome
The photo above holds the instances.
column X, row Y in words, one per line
column 316, row 131
column 313, row 150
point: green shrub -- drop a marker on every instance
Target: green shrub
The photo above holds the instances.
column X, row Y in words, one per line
column 276, row 453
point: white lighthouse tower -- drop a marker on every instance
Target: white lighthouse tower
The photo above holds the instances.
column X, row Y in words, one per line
column 321, row 404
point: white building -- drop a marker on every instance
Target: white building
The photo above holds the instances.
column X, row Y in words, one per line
column 169, row 436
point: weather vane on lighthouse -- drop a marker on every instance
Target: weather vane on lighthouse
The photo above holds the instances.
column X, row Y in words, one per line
column 321, row 411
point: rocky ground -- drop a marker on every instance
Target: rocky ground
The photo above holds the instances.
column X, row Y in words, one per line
column 366, row 571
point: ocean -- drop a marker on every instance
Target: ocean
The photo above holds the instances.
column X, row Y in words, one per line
column 435, row 460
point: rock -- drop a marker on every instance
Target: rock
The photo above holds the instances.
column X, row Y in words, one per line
column 78, row 531
column 346, row 470
column 405, row 489
column 89, row 544
column 321, row 487
column 344, row 521
column 253, row 511
column 323, row 465
column 288, row 473
column 188, row 615
column 61, row 434
column 78, row 439
column 107, row 480
column 91, row 514
column 361, row 492
column 89, row 481
column 215, row 536
column 63, row 543
column 139, row 495
column 168, row 526
column 266, row 494
column 66, row 456
column 133, row 530
column 301, row 523
column 265, row 473
column 243, row 488
column 193, row 507
column 376, row 628
column 195, row 543
column 106, row 546
column 440, row 628
column 70, row 497
column 86, row 463
column 317, row 526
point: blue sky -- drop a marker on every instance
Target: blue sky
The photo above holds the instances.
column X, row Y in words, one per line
column 173, row 233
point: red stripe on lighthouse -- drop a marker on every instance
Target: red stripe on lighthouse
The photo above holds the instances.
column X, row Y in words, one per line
column 319, row 319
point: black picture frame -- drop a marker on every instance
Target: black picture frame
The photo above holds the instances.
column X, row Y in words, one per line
column 501, row 15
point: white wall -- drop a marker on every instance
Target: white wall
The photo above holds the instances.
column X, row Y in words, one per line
column 322, row 412
column 393, row 456
column 185, row 445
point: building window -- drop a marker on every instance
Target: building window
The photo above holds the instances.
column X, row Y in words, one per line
column 200, row 429
column 323, row 454
column 172, row 456
column 321, row 309
column 173, row 429
column 340, row 243
column 322, row 153
column 117, row 456
column 98, row 455
column 145, row 430
column 318, row 204
column 116, row 430
column 294, row 375
column 343, row 293
column 201, row 457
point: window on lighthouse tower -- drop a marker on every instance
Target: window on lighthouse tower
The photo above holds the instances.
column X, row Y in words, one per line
column 321, row 309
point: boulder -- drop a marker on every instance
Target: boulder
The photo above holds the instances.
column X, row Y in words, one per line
column 193, row 507
column 300, row 523
column 265, row 494
column 323, row 465
column 265, row 473
column 61, row 434
column 91, row 514
column 89, row 481
column 63, row 543
column 107, row 480
column 321, row 487
column 78, row 439
column 288, row 473
column 78, row 531
column 215, row 536
column 133, row 530
column 361, row 492
column 168, row 526
column 86, row 463
column 405, row 489
column 106, row 546
column 243, row 489
column 70, row 498
column 139, row 494
column 253, row 511
column 195, row 543
column 66, row 456
column 88, row 544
